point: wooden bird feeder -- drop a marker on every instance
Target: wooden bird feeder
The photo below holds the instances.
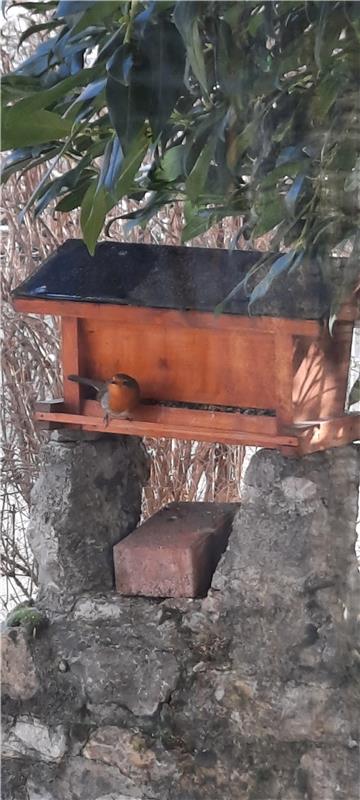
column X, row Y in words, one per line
column 273, row 379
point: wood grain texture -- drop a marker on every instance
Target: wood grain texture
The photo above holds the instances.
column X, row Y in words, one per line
column 214, row 367
column 158, row 317
column 292, row 367
column 321, row 373
column 70, row 359
column 350, row 311
column 336, row 432
column 294, row 440
column 283, row 377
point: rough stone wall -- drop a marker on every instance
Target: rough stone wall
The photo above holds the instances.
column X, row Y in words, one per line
column 249, row 694
column 87, row 498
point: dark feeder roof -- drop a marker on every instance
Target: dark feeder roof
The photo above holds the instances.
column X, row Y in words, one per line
column 158, row 276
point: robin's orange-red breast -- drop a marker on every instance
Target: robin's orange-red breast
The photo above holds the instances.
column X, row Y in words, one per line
column 118, row 396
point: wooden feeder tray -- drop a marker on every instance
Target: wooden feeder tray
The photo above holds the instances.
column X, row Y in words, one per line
column 274, row 379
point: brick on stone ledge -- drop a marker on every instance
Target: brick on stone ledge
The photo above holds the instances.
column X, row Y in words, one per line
column 175, row 552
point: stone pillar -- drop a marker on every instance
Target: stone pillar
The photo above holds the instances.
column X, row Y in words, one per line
column 249, row 694
column 87, row 498
column 290, row 583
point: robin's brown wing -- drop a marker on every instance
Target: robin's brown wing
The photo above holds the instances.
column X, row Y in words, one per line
column 95, row 384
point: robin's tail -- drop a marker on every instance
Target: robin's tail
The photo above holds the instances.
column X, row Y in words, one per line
column 86, row 381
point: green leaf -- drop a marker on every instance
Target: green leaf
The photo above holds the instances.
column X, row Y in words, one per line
column 126, row 109
column 120, row 64
column 293, row 194
column 239, row 144
column 269, row 215
column 46, row 97
column 324, row 96
column 130, row 165
column 24, row 159
column 69, row 8
column 289, row 154
column 282, row 264
column 73, row 199
column 199, row 220
column 198, row 175
column 144, row 214
column 283, row 129
column 172, row 163
column 288, row 170
column 97, row 12
column 24, row 130
column 91, row 91
column 255, row 22
column 41, row 26
column 186, row 21
column 68, row 180
column 164, row 60
column 320, row 31
column 128, row 94
column 111, row 166
column 144, row 85
column 94, row 208
column 38, row 62
column 14, row 86
column 343, row 158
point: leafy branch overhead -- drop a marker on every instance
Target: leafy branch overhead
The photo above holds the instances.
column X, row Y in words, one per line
column 241, row 109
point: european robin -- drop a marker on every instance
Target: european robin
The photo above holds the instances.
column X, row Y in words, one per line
column 117, row 396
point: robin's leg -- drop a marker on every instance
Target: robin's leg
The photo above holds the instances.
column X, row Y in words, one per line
column 106, row 419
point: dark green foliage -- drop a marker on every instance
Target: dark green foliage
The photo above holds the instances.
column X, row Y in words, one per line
column 239, row 108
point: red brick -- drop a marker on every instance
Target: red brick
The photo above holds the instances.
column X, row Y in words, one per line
column 175, row 552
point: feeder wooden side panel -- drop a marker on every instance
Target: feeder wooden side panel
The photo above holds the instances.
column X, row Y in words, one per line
column 321, row 373
column 284, row 355
column 335, row 432
column 210, row 366
column 70, row 356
